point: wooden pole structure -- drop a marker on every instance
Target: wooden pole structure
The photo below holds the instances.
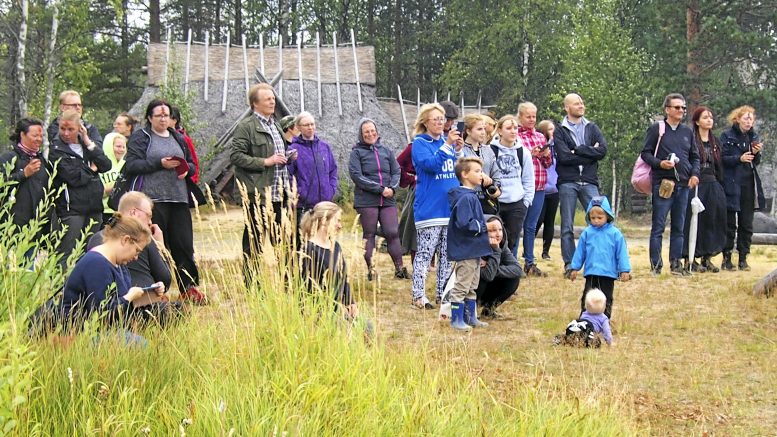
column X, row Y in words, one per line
column 226, row 77
column 480, row 100
column 167, row 55
column 337, row 75
column 449, row 96
column 462, row 105
column 188, row 61
column 261, row 53
column 435, row 96
column 318, row 74
column 245, row 65
column 280, row 64
column 299, row 72
column 356, row 71
column 418, row 100
column 402, row 108
column 207, row 75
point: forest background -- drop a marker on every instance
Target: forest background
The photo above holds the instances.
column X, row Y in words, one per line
column 622, row 56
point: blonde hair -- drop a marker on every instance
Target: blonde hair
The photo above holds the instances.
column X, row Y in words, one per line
column 544, row 127
column 70, row 115
column 737, row 113
column 419, row 127
column 120, row 137
column 524, row 106
column 133, row 199
column 253, row 92
column 465, row 165
column 501, row 123
column 121, row 225
column 301, row 116
column 67, row 93
column 595, row 301
column 317, row 217
column 470, row 121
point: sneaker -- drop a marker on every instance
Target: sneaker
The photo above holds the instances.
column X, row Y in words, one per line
column 195, row 296
column 491, row 314
column 705, row 261
column 402, row 273
column 422, row 304
column 567, row 273
column 545, row 256
column 676, row 268
column 533, row 270
column 371, row 274
column 699, row 268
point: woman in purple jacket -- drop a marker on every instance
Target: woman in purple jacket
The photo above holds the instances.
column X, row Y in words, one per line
column 315, row 168
column 375, row 172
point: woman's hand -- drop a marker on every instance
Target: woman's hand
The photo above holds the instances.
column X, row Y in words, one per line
column 160, row 288
column 667, row 164
column 487, row 181
column 757, row 147
column 388, row 192
column 133, row 293
column 32, row 167
column 747, row 157
column 169, row 163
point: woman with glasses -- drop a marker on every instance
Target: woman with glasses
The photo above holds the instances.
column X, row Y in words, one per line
column 100, row 281
column 744, row 193
column 159, row 155
column 314, row 168
column 434, row 157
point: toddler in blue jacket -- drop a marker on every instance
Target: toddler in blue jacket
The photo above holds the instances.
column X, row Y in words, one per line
column 601, row 252
column 467, row 242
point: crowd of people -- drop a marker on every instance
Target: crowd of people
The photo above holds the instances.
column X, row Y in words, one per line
column 472, row 190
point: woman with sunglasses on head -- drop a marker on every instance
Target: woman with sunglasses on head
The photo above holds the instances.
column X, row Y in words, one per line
column 744, row 193
column 159, row 155
column 100, row 281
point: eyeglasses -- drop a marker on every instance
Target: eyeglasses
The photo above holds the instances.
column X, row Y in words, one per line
column 678, row 108
column 438, row 119
column 147, row 213
column 73, row 105
column 161, row 116
column 308, row 125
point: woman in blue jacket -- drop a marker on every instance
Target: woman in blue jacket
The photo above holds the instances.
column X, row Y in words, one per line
column 741, row 156
column 434, row 157
column 375, row 172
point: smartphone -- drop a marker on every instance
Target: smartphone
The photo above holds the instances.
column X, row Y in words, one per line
column 150, row 288
column 291, row 153
column 460, row 127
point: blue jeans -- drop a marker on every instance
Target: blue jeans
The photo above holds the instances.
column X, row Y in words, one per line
column 530, row 226
column 676, row 204
column 568, row 194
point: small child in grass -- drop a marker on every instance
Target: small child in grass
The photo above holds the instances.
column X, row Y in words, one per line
column 467, row 242
column 591, row 324
column 601, row 252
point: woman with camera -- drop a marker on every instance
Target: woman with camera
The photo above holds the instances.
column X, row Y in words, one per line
column 475, row 136
column 741, row 156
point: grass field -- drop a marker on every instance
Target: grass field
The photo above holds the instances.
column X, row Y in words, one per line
column 692, row 356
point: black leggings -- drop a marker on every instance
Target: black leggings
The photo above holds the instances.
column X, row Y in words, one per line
column 175, row 221
column 548, row 220
column 607, row 285
column 494, row 293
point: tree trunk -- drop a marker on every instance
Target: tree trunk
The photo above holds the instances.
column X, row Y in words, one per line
column 238, row 21
column 693, row 24
column 50, row 64
column 396, row 64
column 21, row 81
column 125, row 44
column 283, row 20
column 217, row 26
column 155, row 23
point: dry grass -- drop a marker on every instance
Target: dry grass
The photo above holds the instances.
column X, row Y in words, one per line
column 692, row 356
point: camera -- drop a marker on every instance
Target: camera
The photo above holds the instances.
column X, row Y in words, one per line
column 491, row 190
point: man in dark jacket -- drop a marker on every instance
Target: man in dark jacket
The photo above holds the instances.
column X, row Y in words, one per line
column 31, row 173
column 579, row 146
column 675, row 164
column 78, row 160
column 71, row 100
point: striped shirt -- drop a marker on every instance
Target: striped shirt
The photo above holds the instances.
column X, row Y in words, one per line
column 531, row 139
column 281, row 177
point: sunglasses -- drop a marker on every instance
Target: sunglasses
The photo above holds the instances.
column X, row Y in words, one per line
column 679, row 108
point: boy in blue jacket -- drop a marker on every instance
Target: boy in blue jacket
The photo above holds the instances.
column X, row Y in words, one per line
column 601, row 251
column 467, row 243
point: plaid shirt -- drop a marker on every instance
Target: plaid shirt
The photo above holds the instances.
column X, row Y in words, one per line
column 281, row 177
column 531, row 138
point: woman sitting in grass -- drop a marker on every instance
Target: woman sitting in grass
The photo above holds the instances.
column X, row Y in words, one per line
column 100, row 281
column 323, row 263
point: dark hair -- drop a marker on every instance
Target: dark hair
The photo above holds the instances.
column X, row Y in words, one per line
column 24, row 125
column 697, row 113
column 153, row 105
column 175, row 114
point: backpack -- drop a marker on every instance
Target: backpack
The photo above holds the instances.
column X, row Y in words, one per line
column 579, row 333
column 641, row 175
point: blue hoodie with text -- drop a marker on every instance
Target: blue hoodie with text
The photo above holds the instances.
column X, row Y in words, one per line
column 434, row 165
column 601, row 251
column 467, row 234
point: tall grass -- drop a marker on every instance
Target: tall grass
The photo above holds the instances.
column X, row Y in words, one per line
column 276, row 360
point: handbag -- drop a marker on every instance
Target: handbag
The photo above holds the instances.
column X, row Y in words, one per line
column 641, row 175
column 123, row 185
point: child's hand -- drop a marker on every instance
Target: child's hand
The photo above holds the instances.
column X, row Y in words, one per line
column 483, row 263
column 572, row 275
column 625, row 276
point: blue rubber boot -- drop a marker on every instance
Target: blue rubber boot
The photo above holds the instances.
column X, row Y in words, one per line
column 471, row 314
column 457, row 317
